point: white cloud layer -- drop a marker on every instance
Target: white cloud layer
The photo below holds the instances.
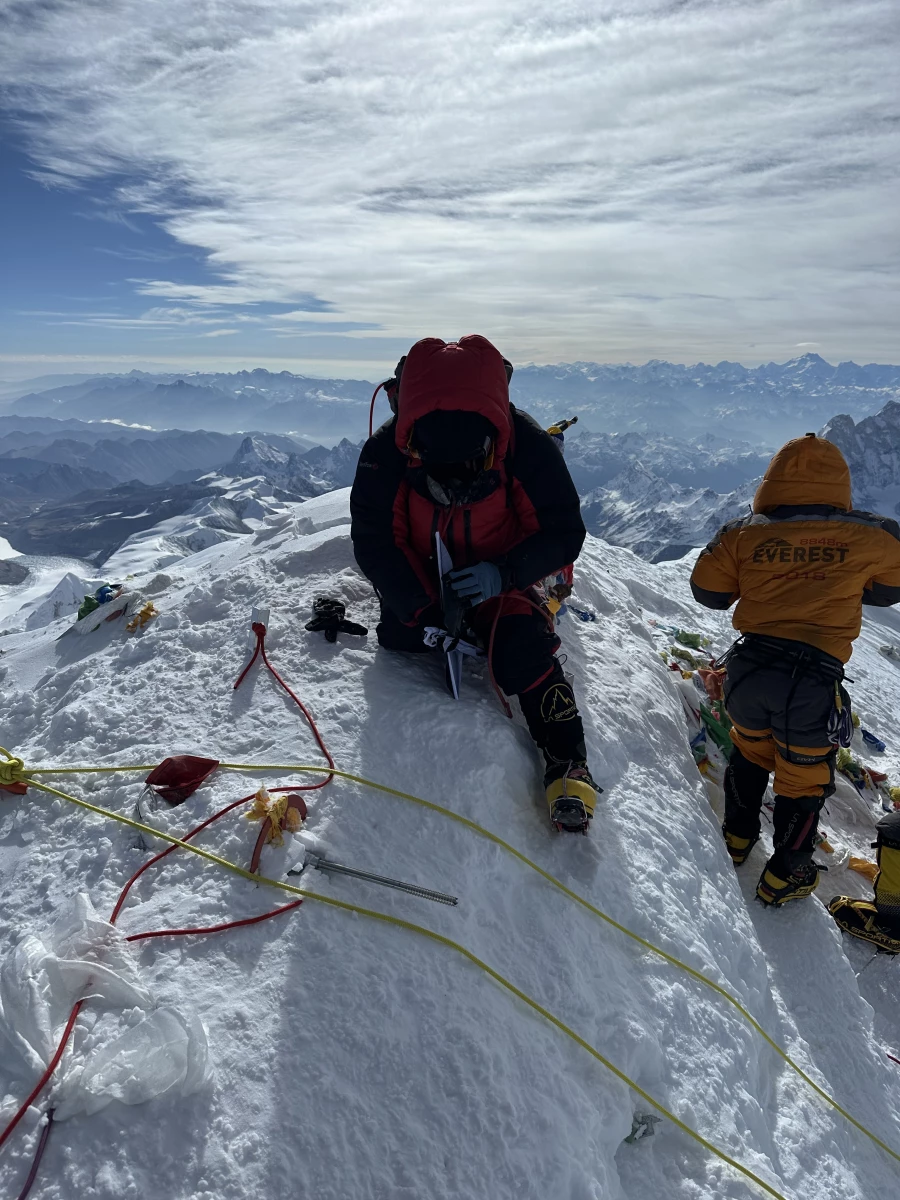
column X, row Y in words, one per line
column 608, row 180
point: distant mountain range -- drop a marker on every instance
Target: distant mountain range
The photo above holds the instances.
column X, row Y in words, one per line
column 660, row 496
column 50, row 507
column 766, row 403
column 646, row 506
column 872, row 449
column 42, row 459
column 72, row 486
column 595, row 459
column 225, row 403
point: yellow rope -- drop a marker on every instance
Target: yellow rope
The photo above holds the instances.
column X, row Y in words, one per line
column 551, row 879
column 12, row 769
column 435, row 937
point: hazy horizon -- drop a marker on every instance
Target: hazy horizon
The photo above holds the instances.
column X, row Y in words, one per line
column 338, row 369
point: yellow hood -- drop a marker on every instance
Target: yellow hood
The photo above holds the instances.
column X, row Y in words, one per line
column 806, row 470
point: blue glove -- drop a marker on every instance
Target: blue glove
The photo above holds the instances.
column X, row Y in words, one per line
column 476, row 584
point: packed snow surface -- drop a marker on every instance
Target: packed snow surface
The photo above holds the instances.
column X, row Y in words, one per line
column 354, row 1059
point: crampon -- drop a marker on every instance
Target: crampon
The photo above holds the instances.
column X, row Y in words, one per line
column 569, row 815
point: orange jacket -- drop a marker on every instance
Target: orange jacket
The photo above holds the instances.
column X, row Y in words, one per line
column 804, row 562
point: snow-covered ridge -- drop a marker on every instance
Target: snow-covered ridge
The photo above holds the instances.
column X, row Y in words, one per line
column 648, row 507
column 352, row 1059
column 872, row 450
column 656, row 519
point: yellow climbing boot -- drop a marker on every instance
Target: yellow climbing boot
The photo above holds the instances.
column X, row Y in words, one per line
column 738, row 847
column 862, row 919
column 777, row 886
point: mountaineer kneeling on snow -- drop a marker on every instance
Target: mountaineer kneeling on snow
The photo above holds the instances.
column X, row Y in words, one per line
column 801, row 566
column 458, row 460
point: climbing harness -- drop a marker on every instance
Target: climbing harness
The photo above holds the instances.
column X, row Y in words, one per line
column 801, row 661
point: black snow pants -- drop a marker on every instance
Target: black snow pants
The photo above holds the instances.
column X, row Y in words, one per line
column 524, row 664
column 779, row 695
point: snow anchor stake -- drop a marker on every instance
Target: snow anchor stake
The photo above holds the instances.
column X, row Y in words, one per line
column 258, row 616
column 317, row 863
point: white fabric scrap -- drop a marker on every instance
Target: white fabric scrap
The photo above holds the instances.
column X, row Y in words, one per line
column 135, row 1057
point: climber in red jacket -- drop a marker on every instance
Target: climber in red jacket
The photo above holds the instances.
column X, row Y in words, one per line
column 457, row 459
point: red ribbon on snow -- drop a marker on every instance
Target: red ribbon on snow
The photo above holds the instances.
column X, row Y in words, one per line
column 178, row 777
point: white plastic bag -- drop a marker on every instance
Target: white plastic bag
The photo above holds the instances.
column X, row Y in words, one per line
column 126, row 1057
column 42, row 977
column 165, row 1052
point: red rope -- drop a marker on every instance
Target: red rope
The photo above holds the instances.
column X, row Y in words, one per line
column 168, row 850
column 42, row 1082
column 260, row 649
column 260, row 630
column 157, row 933
column 39, row 1154
column 187, row 837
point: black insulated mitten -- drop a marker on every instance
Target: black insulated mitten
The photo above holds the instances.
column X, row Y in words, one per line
column 328, row 618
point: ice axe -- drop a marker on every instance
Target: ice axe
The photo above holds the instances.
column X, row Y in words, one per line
column 455, row 648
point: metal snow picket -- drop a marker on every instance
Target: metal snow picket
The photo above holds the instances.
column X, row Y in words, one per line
column 317, row 862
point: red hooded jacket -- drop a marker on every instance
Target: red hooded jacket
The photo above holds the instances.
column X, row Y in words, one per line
column 526, row 515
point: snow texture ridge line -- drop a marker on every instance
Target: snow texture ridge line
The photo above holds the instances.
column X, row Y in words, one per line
column 479, row 829
column 390, row 919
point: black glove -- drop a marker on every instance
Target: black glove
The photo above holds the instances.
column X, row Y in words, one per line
column 328, row 618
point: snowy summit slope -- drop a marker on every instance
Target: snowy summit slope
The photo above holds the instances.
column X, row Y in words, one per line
column 352, row 1058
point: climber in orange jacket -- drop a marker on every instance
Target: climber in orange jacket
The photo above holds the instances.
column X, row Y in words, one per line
column 800, row 567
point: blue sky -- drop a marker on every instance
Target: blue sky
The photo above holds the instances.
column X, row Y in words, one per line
column 74, row 262
column 315, row 185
